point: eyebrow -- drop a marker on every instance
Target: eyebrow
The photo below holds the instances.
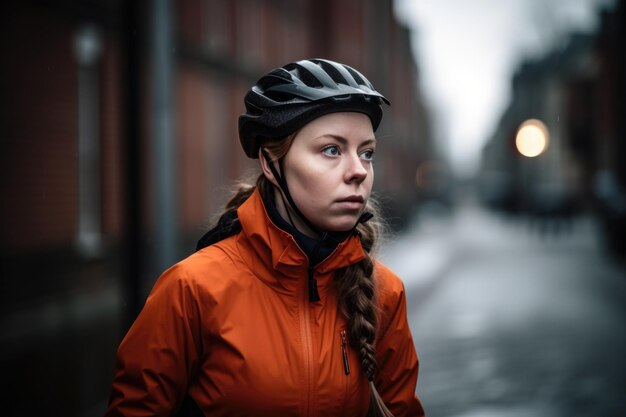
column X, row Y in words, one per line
column 344, row 140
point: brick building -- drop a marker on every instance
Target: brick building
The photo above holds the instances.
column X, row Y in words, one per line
column 119, row 142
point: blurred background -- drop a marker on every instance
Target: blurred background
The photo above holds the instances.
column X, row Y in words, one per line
column 501, row 172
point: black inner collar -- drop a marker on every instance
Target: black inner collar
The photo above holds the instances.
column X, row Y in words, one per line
column 315, row 249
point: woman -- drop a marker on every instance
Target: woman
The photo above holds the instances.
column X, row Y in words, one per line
column 282, row 311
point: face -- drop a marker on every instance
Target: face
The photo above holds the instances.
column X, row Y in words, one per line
column 329, row 169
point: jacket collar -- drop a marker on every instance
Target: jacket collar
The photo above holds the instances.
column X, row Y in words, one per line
column 278, row 249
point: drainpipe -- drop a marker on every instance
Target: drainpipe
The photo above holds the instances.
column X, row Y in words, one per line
column 165, row 152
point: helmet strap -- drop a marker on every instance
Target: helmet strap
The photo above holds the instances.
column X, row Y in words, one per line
column 282, row 183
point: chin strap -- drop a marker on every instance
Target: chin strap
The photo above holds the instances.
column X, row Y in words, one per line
column 323, row 235
column 283, row 186
column 365, row 217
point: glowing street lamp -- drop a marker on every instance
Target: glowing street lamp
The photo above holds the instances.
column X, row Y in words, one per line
column 532, row 138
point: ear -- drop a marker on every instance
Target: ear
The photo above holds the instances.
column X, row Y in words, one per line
column 265, row 161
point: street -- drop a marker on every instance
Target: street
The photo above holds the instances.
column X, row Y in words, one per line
column 510, row 320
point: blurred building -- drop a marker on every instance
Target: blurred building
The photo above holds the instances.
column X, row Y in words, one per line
column 119, row 144
column 579, row 93
column 542, row 90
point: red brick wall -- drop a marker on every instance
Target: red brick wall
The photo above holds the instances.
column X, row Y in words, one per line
column 38, row 174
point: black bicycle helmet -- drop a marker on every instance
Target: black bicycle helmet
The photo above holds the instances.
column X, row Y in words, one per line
column 287, row 98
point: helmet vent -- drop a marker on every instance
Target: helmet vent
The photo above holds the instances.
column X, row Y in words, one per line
column 357, row 77
column 279, row 96
column 304, row 75
column 333, row 73
column 271, row 80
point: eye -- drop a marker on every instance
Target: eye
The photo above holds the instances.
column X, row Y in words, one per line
column 331, row 150
column 368, row 154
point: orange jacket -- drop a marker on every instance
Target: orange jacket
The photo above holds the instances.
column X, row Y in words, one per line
column 232, row 326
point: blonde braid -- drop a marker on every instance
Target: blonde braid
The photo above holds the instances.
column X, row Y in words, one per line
column 357, row 300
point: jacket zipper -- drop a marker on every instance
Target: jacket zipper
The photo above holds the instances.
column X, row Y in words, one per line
column 310, row 295
column 344, row 351
column 308, row 354
column 314, row 294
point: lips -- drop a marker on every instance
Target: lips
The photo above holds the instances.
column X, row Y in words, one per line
column 351, row 203
column 352, row 199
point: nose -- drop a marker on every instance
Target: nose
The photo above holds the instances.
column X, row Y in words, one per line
column 355, row 170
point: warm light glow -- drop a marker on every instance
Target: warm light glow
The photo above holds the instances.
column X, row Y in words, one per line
column 532, row 138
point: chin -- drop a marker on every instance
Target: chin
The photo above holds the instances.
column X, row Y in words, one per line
column 342, row 225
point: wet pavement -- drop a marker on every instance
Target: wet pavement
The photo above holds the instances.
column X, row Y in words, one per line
column 510, row 321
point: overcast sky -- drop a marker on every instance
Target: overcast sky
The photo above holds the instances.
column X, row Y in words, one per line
column 467, row 51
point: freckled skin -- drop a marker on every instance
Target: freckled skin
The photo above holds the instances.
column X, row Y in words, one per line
column 330, row 160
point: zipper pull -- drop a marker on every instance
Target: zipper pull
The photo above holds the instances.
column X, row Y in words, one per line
column 314, row 295
column 344, row 351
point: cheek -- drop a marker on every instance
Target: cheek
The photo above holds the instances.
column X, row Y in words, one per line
column 370, row 180
column 313, row 185
column 368, row 183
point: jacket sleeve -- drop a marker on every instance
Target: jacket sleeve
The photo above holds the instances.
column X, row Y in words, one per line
column 397, row 360
column 160, row 352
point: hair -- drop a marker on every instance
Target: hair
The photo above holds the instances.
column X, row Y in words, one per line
column 355, row 284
